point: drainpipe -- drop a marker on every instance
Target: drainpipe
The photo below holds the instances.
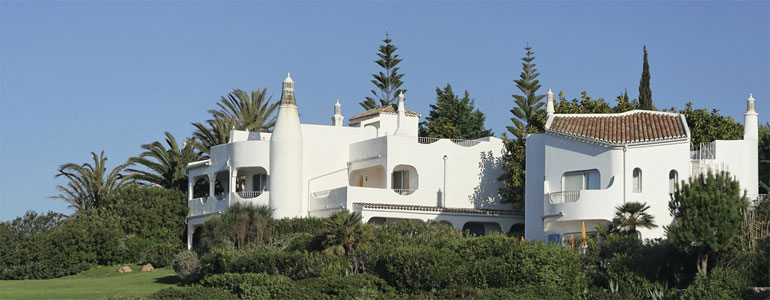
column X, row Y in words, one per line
column 443, row 196
column 625, row 148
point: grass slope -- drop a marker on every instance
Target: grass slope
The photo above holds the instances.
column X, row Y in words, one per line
column 97, row 283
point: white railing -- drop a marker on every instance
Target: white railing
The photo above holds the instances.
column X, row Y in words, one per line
column 200, row 206
column 404, row 192
column 426, row 140
column 249, row 194
column 755, row 199
column 704, row 151
column 220, row 196
column 563, row 197
column 328, row 200
column 464, row 143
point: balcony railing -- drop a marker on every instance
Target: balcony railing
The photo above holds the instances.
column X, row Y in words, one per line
column 404, row 192
column 755, row 199
column 704, row 151
column 563, row 197
column 464, row 143
column 249, row 194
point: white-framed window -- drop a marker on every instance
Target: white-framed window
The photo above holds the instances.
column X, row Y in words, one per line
column 673, row 178
column 581, row 180
column 260, row 182
column 401, row 179
column 637, row 180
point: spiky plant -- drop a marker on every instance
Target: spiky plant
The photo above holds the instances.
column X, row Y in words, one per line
column 165, row 166
column 631, row 215
column 344, row 235
column 90, row 184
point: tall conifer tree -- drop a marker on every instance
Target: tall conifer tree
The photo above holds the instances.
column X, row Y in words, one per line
column 529, row 117
column 387, row 81
column 645, row 94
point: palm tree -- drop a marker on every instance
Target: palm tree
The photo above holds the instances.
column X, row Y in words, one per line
column 344, row 234
column 165, row 167
column 89, row 185
column 238, row 110
column 631, row 215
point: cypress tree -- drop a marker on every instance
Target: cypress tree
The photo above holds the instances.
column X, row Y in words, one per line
column 645, row 94
column 454, row 117
column 387, row 81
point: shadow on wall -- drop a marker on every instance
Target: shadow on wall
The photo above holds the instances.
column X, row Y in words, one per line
column 485, row 195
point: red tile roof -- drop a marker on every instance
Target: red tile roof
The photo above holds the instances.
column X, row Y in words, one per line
column 388, row 109
column 439, row 209
column 624, row 128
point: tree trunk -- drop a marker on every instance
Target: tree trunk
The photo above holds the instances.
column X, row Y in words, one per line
column 703, row 259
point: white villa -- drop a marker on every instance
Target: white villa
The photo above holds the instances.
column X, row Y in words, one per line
column 578, row 171
column 376, row 166
column 585, row 165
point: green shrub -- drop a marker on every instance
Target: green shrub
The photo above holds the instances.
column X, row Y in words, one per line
column 294, row 264
column 192, row 293
column 414, row 268
column 357, row 286
column 720, row 284
column 250, row 285
column 187, row 266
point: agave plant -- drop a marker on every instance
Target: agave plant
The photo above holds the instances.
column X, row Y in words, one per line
column 90, row 184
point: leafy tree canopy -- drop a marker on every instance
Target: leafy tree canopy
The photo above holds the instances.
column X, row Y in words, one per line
column 454, row 117
column 707, row 214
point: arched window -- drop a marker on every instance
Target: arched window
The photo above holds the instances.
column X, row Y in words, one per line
column 637, row 180
column 673, row 178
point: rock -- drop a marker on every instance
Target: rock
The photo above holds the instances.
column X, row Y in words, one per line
column 124, row 269
column 147, row 267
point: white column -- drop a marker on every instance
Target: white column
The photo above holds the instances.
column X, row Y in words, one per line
column 190, row 233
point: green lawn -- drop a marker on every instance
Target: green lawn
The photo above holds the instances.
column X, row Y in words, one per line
column 97, row 283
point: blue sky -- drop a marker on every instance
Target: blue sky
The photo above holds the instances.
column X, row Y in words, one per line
column 80, row 76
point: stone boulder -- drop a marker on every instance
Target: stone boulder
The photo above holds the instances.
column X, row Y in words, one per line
column 147, row 267
column 125, row 269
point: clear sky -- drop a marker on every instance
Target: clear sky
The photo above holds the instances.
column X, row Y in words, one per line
column 81, row 76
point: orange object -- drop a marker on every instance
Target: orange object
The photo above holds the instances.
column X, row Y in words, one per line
column 571, row 241
column 583, row 234
column 521, row 242
column 361, row 181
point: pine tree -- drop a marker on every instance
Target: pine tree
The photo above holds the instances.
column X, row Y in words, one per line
column 529, row 115
column 645, row 94
column 387, row 82
column 707, row 213
column 454, row 117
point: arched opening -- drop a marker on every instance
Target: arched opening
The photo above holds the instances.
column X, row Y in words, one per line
column 196, row 237
column 251, row 182
column 445, row 222
column 673, row 178
column 221, row 184
column 517, row 230
column 637, row 180
column 376, row 220
column 200, row 187
column 473, row 229
column 372, row 177
column 404, row 179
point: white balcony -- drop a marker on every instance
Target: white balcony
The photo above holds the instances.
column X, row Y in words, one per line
column 249, row 194
column 205, row 206
column 582, row 205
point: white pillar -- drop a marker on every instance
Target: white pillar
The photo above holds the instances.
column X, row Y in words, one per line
column 190, row 233
column 549, row 110
column 337, row 118
column 751, row 138
column 286, row 158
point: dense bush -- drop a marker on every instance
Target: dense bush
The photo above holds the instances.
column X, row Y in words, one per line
column 720, row 284
column 187, row 266
column 61, row 246
column 264, row 259
column 250, row 285
column 356, row 286
column 414, row 268
column 192, row 293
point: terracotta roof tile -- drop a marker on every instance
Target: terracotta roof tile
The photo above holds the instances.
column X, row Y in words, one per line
column 438, row 209
column 629, row 127
column 388, row 109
